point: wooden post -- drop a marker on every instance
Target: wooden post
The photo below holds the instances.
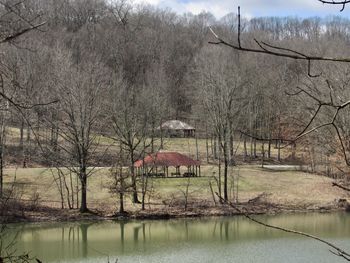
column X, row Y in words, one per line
column 199, row 169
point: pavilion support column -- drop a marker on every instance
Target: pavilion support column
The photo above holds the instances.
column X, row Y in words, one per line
column 196, row 170
column 199, row 169
column 167, row 171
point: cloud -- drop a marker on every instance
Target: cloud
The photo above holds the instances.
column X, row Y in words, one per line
column 251, row 8
column 151, row 2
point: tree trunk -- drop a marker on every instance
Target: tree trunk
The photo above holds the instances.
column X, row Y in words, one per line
column 83, row 180
column 152, row 138
column 77, row 190
column 2, row 145
column 251, row 148
column 144, row 188
column 245, row 148
column 28, row 134
column 21, row 138
column 161, row 136
column 262, row 154
column 197, row 153
column 135, row 198
column 121, row 202
column 279, row 151
column 255, row 149
column 219, row 180
column 225, row 180
column 71, row 188
column 1, row 175
column 226, row 163
column 294, row 146
column 207, row 145
column 215, row 149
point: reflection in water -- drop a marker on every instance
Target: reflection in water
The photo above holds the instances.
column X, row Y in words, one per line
column 122, row 237
column 84, row 239
column 68, row 242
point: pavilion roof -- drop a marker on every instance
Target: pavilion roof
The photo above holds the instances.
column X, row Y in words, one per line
column 167, row 159
column 176, row 125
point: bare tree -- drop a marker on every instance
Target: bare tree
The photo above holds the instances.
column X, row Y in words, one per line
column 220, row 82
column 334, row 106
column 130, row 124
column 80, row 91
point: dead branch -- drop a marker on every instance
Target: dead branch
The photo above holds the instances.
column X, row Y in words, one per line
column 337, row 108
column 335, row 250
column 342, row 3
column 341, row 187
column 269, row 49
column 21, row 32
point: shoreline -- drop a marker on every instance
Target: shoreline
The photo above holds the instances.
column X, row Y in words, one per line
column 48, row 214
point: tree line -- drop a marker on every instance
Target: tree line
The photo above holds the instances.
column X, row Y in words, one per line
column 75, row 72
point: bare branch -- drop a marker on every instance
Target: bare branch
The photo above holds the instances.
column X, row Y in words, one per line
column 341, row 187
column 239, row 26
column 274, row 50
column 19, row 33
column 339, row 252
column 342, row 3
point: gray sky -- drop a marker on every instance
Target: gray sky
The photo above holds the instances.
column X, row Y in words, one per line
column 252, row 8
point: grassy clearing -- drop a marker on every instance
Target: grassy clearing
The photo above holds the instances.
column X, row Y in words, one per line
column 287, row 187
column 188, row 146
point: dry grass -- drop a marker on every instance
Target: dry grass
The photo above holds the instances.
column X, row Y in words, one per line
column 282, row 187
column 188, row 146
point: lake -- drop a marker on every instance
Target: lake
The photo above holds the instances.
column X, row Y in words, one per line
column 225, row 239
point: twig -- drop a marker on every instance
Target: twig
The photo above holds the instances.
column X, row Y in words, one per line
column 341, row 187
column 339, row 252
column 342, row 3
column 269, row 49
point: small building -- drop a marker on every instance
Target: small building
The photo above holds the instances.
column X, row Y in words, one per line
column 158, row 164
column 176, row 128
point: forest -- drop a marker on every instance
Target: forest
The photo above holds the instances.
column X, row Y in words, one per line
column 86, row 89
column 86, row 84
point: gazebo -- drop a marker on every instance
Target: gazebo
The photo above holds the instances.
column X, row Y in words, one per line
column 176, row 128
column 158, row 164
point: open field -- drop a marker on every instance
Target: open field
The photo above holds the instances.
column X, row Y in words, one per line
column 290, row 188
column 107, row 150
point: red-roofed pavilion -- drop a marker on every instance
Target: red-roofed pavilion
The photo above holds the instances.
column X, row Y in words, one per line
column 150, row 164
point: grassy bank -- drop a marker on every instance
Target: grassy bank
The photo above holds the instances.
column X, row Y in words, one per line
column 289, row 188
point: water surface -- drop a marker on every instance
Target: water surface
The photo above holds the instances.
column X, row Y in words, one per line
column 231, row 239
